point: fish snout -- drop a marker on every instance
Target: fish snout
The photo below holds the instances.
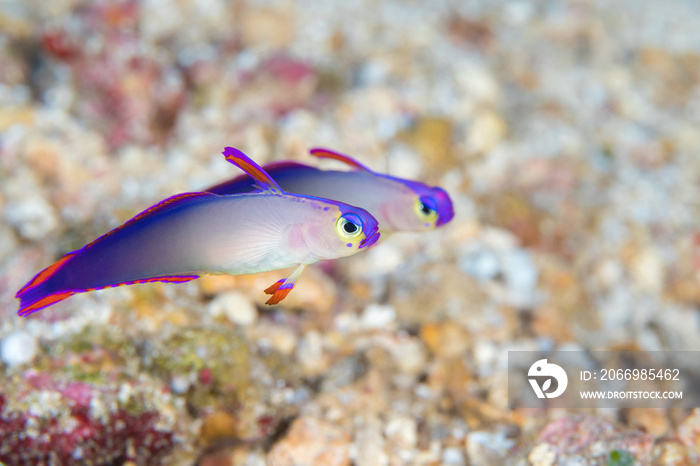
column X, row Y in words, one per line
column 444, row 216
column 445, row 208
column 370, row 238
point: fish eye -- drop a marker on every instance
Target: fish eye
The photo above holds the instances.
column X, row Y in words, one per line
column 426, row 207
column 349, row 226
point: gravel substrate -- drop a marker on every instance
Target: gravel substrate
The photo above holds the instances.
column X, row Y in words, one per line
column 566, row 133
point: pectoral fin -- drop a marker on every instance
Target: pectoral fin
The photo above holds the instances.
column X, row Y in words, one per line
column 281, row 288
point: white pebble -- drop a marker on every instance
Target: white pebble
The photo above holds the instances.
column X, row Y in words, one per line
column 485, row 356
column 311, row 355
column 609, row 272
column 378, row 316
column 484, row 447
column 8, row 242
column 384, row 258
column 179, row 384
column 520, row 270
column 235, row 306
column 33, row 217
column 17, row 348
column 480, row 262
column 402, row 431
column 543, row 455
column 410, row 356
column 453, row 456
column 648, row 271
column 521, row 276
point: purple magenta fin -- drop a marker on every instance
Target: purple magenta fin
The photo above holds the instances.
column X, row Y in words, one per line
column 330, row 154
column 281, row 288
column 45, row 274
column 37, row 296
column 246, row 184
column 245, row 163
column 166, row 279
column 34, row 299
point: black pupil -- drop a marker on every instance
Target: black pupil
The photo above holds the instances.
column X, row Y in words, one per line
column 424, row 208
column 350, row 227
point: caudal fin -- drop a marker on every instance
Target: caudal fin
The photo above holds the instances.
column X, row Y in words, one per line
column 39, row 292
column 37, row 298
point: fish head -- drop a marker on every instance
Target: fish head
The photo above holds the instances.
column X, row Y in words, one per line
column 340, row 230
column 357, row 227
column 417, row 207
column 445, row 210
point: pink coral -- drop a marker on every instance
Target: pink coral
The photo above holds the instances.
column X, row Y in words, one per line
column 127, row 94
column 73, row 433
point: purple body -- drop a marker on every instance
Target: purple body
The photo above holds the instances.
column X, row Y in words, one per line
column 192, row 234
column 398, row 204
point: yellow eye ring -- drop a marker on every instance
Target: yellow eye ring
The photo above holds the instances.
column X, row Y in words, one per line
column 426, row 210
column 349, row 226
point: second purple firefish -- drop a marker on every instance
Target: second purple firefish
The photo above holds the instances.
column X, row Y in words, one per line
column 191, row 234
column 398, row 204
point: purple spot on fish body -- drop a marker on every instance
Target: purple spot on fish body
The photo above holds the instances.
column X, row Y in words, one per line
column 427, row 224
column 349, row 245
column 325, row 208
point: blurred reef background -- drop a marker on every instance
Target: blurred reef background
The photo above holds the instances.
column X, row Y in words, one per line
column 566, row 132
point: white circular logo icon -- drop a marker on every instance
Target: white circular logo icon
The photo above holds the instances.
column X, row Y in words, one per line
column 543, row 372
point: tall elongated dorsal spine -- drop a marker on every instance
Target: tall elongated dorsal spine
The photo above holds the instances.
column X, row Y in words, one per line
column 246, row 164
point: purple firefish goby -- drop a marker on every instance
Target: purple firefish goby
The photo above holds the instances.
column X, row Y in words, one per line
column 398, row 204
column 191, row 234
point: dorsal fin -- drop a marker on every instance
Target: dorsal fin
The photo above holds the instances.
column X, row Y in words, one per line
column 245, row 184
column 330, row 154
column 242, row 161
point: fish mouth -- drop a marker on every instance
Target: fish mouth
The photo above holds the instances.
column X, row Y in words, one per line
column 370, row 239
column 445, row 208
column 444, row 217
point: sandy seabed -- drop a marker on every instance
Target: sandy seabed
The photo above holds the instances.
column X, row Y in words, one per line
column 566, row 133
